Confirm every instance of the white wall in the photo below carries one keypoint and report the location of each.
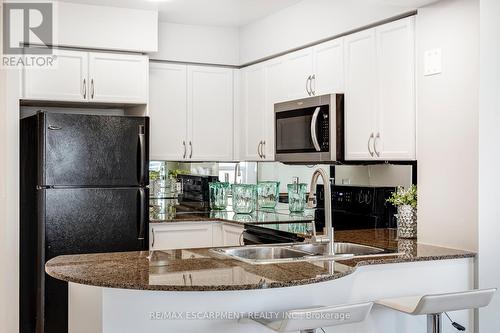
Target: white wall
(447, 133)
(9, 200)
(307, 22)
(489, 160)
(197, 43)
(102, 27)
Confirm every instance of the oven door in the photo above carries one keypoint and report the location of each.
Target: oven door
(303, 135)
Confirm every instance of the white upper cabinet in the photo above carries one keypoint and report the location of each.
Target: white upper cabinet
(396, 127)
(191, 110)
(299, 72)
(210, 113)
(256, 117)
(360, 95)
(66, 82)
(118, 78)
(277, 85)
(90, 77)
(380, 93)
(168, 111)
(328, 67)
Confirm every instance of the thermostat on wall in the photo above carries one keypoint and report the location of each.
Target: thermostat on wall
(432, 62)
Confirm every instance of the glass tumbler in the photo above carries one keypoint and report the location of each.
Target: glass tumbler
(218, 195)
(297, 197)
(268, 194)
(244, 198)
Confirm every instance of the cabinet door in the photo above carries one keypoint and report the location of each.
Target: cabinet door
(232, 235)
(118, 78)
(255, 117)
(167, 109)
(210, 113)
(395, 137)
(328, 59)
(360, 98)
(276, 82)
(299, 67)
(182, 235)
(66, 82)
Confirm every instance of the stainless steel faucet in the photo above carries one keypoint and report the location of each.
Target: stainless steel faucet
(329, 236)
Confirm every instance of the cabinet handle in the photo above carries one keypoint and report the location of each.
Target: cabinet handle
(264, 149)
(307, 85)
(191, 279)
(313, 80)
(153, 236)
(369, 144)
(84, 88)
(377, 137)
(259, 152)
(185, 152)
(184, 278)
(191, 149)
(240, 240)
(92, 89)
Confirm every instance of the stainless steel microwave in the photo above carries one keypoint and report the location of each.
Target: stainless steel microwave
(310, 130)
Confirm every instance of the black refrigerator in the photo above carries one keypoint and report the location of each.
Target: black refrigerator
(83, 190)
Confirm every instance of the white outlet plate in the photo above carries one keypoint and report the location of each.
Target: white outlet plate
(432, 62)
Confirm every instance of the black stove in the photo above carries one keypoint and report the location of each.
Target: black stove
(357, 207)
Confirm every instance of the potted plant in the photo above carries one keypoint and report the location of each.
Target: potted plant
(406, 202)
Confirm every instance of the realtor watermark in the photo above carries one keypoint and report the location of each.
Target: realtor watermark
(229, 315)
(28, 34)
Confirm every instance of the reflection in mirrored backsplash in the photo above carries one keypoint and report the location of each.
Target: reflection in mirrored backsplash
(252, 172)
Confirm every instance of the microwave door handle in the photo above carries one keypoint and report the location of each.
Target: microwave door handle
(314, 136)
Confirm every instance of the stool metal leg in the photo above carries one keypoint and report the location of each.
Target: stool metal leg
(434, 323)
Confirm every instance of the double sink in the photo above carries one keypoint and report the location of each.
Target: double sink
(271, 254)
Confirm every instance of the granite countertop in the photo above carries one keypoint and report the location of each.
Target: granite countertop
(204, 270)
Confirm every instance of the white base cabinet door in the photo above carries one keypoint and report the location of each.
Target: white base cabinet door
(192, 235)
(181, 235)
(68, 81)
(118, 78)
(232, 235)
(167, 109)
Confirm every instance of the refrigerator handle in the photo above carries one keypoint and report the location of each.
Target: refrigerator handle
(142, 154)
(142, 214)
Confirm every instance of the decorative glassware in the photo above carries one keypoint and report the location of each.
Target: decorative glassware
(244, 198)
(297, 197)
(218, 195)
(268, 194)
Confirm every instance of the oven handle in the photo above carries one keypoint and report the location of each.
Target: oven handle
(314, 136)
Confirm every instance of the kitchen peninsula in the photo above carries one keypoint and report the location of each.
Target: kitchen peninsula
(124, 292)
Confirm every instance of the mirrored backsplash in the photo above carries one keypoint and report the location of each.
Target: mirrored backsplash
(252, 172)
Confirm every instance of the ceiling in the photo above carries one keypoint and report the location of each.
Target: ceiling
(229, 13)
(233, 13)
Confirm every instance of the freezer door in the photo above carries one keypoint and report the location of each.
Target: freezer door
(89, 220)
(89, 150)
(93, 220)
